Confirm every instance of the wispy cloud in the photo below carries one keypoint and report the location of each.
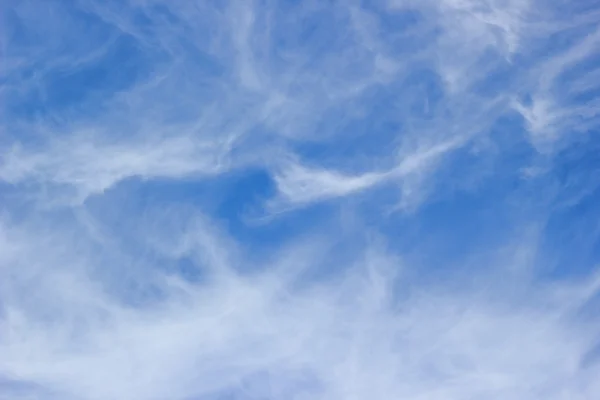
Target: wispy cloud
(137, 136)
(258, 335)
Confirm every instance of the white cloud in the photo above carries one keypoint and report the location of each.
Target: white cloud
(256, 335)
(102, 299)
(554, 114)
(299, 184)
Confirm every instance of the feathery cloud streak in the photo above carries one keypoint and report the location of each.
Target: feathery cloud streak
(280, 199)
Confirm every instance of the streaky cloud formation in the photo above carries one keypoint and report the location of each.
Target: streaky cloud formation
(299, 199)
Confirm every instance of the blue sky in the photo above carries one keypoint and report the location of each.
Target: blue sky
(205, 200)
